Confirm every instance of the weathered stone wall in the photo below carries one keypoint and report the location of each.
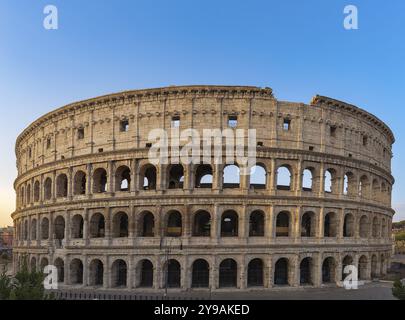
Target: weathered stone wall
(86, 137)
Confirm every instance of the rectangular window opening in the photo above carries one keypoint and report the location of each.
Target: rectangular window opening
(232, 121)
(80, 134)
(287, 124)
(333, 131)
(176, 122)
(365, 141)
(124, 126)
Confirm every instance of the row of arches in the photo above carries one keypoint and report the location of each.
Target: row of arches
(201, 225)
(203, 177)
(283, 272)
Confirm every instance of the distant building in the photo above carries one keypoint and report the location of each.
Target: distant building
(6, 237)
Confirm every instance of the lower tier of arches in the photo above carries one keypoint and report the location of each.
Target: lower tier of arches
(184, 271)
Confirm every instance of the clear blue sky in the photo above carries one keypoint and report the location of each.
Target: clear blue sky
(299, 48)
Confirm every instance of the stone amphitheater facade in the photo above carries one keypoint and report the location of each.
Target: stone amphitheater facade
(90, 202)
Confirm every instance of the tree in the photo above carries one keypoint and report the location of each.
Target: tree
(398, 290)
(26, 285)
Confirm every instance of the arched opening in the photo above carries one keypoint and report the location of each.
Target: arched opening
(61, 186)
(45, 229)
(348, 225)
(256, 224)
(231, 177)
(97, 226)
(202, 224)
(200, 274)
(330, 176)
(96, 273)
(34, 229)
(255, 273)
(33, 266)
(330, 225)
(100, 181)
(173, 274)
(59, 226)
(308, 225)
(60, 266)
(228, 273)
(284, 178)
(79, 187)
(176, 177)
(375, 190)
(374, 272)
(28, 194)
(147, 225)
(123, 179)
(258, 177)
(44, 262)
(48, 189)
(383, 228)
(363, 227)
(148, 177)
(383, 195)
(363, 268)
(22, 196)
(376, 227)
(281, 272)
(307, 179)
(119, 274)
(203, 176)
(120, 225)
(306, 271)
(229, 224)
(349, 184)
(174, 224)
(77, 226)
(36, 191)
(364, 187)
(347, 261)
(76, 271)
(283, 224)
(25, 230)
(328, 270)
(382, 265)
(146, 274)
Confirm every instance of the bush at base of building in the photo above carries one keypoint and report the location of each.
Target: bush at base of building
(26, 285)
(398, 290)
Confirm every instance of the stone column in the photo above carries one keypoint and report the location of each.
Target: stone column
(187, 222)
(86, 227)
(70, 183)
(216, 224)
(157, 274)
(108, 227)
(322, 179)
(67, 227)
(134, 176)
(317, 270)
(242, 283)
(243, 232)
(107, 273)
(273, 177)
(295, 271)
(89, 180)
(131, 270)
(217, 177)
(321, 223)
(85, 270)
(299, 177)
(132, 223)
(269, 225)
(111, 177)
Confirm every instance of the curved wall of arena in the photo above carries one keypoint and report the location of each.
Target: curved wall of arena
(89, 201)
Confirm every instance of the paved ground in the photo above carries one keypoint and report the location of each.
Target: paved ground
(370, 291)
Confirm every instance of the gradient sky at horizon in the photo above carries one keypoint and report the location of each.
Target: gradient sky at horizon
(298, 48)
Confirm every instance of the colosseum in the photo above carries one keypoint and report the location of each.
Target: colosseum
(91, 203)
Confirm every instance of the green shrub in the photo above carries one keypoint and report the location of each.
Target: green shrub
(398, 290)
